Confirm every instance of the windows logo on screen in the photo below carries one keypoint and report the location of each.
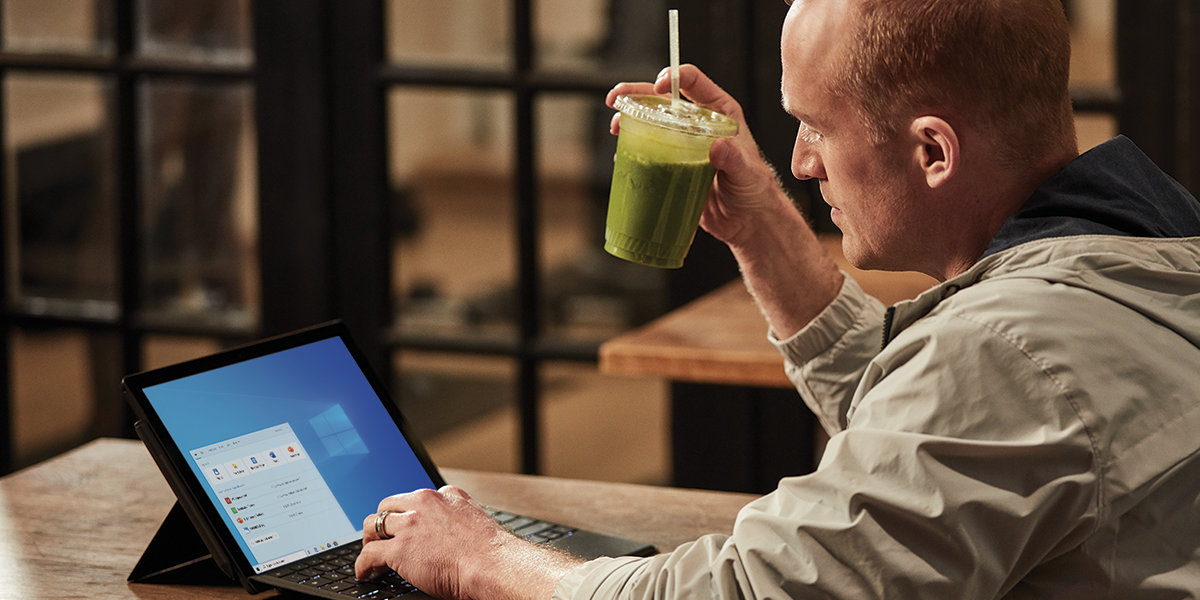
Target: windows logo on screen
(337, 433)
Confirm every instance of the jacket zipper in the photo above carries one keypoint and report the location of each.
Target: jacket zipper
(888, 317)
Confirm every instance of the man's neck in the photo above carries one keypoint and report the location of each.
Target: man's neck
(997, 195)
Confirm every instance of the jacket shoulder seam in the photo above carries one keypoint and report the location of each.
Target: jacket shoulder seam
(1064, 391)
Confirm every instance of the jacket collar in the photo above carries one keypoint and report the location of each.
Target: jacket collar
(1112, 190)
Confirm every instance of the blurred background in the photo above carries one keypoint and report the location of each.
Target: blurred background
(185, 175)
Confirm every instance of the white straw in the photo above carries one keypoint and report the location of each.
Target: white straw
(673, 17)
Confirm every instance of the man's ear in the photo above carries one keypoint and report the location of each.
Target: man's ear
(937, 153)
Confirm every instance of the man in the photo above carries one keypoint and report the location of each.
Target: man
(1029, 427)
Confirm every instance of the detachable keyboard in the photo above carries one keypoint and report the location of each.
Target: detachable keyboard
(332, 572)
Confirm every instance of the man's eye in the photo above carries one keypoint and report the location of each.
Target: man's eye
(808, 134)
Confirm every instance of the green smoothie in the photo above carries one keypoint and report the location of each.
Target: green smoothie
(654, 208)
(661, 179)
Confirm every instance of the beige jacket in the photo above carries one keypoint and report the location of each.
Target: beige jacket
(1030, 431)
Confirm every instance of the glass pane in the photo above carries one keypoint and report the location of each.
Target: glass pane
(58, 26)
(625, 36)
(586, 415)
(1093, 129)
(451, 162)
(1093, 63)
(462, 407)
(463, 33)
(53, 400)
(217, 31)
(588, 294)
(161, 350)
(1093, 47)
(571, 33)
(59, 161)
(199, 203)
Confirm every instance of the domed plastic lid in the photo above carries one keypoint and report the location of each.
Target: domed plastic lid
(685, 116)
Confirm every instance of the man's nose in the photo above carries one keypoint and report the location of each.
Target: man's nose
(806, 161)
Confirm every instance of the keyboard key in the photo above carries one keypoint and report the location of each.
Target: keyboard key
(502, 517)
(532, 529)
(372, 586)
(339, 586)
(394, 579)
(518, 523)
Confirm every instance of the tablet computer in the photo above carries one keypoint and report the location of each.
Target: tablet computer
(279, 449)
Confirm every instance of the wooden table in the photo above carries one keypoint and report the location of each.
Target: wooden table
(74, 526)
(721, 338)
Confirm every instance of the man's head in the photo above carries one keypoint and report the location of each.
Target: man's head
(925, 120)
(1002, 64)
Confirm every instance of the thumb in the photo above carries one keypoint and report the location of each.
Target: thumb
(729, 158)
(722, 153)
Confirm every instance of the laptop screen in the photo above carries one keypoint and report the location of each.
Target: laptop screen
(294, 448)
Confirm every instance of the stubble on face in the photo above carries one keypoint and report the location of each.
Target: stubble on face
(867, 184)
(877, 218)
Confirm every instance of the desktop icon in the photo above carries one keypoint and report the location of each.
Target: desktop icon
(239, 519)
(216, 472)
(228, 501)
(271, 453)
(234, 509)
(253, 460)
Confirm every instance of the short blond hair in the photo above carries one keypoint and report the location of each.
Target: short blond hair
(1003, 65)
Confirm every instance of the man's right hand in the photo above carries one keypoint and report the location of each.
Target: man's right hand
(786, 269)
(446, 545)
(746, 187)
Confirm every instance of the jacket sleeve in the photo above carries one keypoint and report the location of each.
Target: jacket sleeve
(934, 490)
(826, 359)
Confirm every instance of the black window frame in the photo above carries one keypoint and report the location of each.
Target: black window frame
(126, 70)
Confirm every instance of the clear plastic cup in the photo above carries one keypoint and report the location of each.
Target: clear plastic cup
(661, 178)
